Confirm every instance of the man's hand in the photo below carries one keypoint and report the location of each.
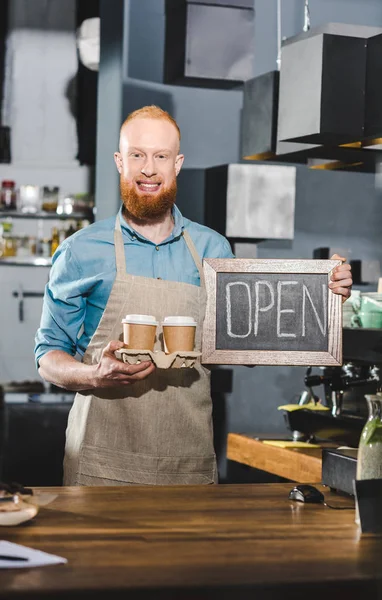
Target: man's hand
(111, 372)
(341, 279)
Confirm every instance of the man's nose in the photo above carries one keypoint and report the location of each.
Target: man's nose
(148, 168)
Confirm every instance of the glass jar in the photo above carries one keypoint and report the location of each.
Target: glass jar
(65, 205)
(9, 245)
(369, 458)
(30, 200)
(23, 246)
(50, 198)
(8, 195)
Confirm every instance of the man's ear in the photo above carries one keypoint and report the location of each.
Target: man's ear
(178, 163)
(118, 161)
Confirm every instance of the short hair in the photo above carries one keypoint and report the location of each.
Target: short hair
(151, 112)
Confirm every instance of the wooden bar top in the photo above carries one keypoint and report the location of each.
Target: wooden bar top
(183, 542)
(298, 464)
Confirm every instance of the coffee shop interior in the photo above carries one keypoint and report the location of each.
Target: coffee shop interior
(279, 103)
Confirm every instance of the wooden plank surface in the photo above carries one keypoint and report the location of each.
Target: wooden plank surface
(183, 542)
(298, 464)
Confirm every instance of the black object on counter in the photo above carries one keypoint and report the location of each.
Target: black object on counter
(369, 496)
(339, 468)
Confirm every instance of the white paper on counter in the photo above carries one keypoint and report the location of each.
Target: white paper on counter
(36, 558)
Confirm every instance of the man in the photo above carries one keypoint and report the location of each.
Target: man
(134, 423)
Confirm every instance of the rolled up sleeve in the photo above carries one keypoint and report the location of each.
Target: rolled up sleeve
(63, 308)
(226, 251)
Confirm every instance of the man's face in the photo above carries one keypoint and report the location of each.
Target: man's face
(148, 163)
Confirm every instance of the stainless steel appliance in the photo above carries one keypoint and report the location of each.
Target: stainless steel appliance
(342, 390)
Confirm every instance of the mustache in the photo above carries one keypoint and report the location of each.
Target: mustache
(144, 180)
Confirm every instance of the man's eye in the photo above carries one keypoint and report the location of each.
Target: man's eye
(162, 156)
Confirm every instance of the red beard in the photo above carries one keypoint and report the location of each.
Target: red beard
(144, 207)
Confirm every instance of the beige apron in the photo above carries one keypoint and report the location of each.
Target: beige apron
(155, 431)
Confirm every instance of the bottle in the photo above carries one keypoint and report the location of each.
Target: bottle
(32, 245)
(62, 234)
(40, 237)
(8, 195)
(71, 229)
(45, 248)
(23, 245)
(369, 457)
(55, 241)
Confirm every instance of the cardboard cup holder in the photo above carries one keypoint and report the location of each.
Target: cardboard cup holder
(176, 360)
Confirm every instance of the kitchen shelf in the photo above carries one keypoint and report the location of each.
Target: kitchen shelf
(21, 261)
(46, 215)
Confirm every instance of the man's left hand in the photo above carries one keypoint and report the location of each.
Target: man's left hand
(341, 279)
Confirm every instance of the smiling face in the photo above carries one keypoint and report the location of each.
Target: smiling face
(148, 162)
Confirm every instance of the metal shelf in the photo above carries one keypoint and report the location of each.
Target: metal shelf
(46, 215)
(21, 261)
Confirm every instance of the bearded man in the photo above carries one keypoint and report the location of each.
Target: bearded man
(134, 424)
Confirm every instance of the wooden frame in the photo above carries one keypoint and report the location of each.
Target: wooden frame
(211, 355)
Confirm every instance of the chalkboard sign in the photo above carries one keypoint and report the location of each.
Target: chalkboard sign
(271, 312)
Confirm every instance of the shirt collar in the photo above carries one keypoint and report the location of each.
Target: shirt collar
(176, 232)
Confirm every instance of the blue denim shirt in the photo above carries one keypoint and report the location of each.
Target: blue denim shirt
(83, 273)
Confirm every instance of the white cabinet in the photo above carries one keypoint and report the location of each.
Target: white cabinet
(17, 336)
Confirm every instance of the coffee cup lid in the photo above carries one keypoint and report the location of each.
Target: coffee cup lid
(140, 319)
(176, 321)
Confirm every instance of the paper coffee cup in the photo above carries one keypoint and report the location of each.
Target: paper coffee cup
(139, 332)
(179, 334)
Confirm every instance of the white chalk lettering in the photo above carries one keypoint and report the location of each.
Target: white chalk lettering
(280, 310)
(262, 308)
(305, 294)
(229, 309)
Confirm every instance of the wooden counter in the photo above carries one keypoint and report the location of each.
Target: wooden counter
(186, 542)
(298, 464)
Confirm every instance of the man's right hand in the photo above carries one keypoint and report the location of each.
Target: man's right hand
(62, 369)
(111, 372)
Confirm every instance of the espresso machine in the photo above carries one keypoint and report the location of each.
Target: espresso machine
(342, 390)
(343, 393)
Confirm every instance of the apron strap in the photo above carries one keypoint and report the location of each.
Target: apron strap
(120, 259)
(194, 253)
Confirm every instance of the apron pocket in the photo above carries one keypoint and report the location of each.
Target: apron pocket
(113, 466)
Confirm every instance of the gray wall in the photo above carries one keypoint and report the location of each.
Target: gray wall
(209, 119)
(332, 209)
